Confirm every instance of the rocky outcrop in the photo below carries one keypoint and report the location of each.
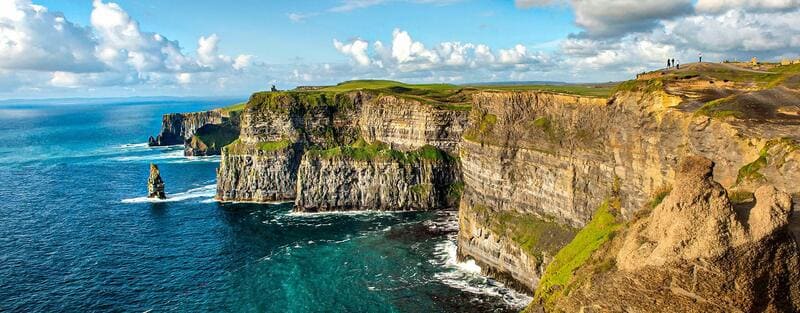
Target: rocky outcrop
(385, 184)
(696, 252)
(155, 185)
(177, 128)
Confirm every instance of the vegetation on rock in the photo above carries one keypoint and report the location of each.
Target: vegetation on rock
(555, 281)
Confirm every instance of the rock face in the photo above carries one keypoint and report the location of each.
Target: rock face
(528, 171)
(210, 139)
(272, 160)
(254, 175)
(343, 184)
(276, 128)
(177, 128)
(409, 125)
(696, 252)
(155, 185)
(558, 157)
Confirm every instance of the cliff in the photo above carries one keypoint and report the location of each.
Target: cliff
(556, 158)
(381, 179)
(546, 180)
(276, 130)
(177, 128)
(343, 150)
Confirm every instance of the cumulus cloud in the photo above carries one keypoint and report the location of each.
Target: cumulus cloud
(113, 50)
(33, 38)
(357, 50)
(718, 6)
(406, 57)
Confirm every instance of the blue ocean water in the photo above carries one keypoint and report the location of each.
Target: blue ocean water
(76, 235)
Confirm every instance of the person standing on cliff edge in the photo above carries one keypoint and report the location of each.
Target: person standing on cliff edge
(700, 56)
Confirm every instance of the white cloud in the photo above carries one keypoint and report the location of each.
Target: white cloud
(357, 50)
(445, 61)
(719, 6)
(44, 49)
(33, 38)
(350, 5)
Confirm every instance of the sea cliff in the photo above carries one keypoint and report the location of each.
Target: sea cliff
(544, 179)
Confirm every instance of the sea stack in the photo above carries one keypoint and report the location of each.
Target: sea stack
(155, 186)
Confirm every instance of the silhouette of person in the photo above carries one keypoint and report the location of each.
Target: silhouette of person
(700, 55)
(668, 63)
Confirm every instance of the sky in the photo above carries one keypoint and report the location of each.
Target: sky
(119, 48)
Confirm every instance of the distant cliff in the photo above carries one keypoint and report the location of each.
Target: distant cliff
(202, 133)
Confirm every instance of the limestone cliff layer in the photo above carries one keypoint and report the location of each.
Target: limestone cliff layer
(344, 183)
(314, 124)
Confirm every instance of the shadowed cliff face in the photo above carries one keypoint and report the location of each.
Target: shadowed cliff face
(695, 253)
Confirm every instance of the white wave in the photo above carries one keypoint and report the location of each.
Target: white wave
(130, 146)
(177, 154)
(343, 213)
(213, 159)
(467, 275)
(208, 191)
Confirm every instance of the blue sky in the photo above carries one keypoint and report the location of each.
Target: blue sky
(202, 48)
(263, 28)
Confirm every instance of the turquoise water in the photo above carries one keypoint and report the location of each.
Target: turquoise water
(77, 236)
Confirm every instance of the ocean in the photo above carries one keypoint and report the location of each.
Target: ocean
(77, 234)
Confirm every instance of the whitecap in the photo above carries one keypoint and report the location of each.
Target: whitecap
(466, 275)
(208, 191)
(177, 154)
(343, 213)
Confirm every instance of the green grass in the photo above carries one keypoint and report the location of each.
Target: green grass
(559, 272)
(751, 171)
(269, 146)
(595, 91)
(361, 150)
(384, 84)
(234, 107)
(720, 108)
(646, 86)
(483, 126)
(455, 190)
(239, 148)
